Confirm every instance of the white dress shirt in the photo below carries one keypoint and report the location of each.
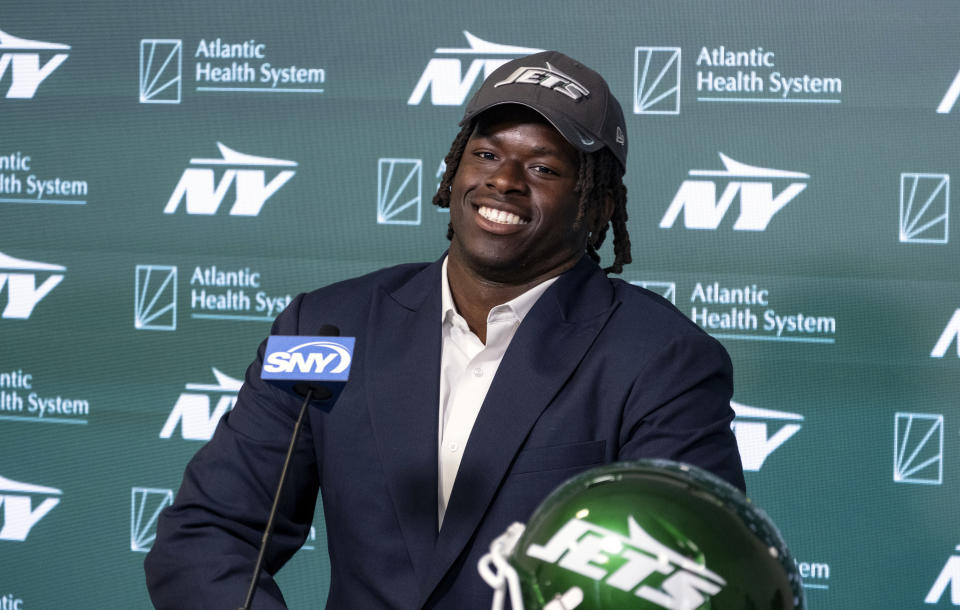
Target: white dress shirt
(467, 368)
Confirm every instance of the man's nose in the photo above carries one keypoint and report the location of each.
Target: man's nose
(507, 177)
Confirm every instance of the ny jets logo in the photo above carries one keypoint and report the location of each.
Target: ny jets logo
(753, 186)
(589, 550)
(22, 59)
(549, 78)
(203, 194)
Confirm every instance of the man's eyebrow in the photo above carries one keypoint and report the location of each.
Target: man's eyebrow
(537, 149)
(547, 150)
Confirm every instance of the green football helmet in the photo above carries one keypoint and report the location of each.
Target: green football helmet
(648, 534)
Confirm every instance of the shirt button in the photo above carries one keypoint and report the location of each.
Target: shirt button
(478, 372)
(453, 447)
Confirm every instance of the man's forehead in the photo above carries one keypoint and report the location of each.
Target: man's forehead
(502, 113)
(491, 122)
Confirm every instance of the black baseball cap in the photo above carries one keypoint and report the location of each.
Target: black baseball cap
(572, 97)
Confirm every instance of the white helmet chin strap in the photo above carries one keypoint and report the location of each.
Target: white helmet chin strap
(497, 572)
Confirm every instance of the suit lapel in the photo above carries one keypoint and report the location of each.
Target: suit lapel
(403, 361)
(547, 347)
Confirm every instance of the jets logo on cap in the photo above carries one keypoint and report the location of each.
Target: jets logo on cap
(548, 77)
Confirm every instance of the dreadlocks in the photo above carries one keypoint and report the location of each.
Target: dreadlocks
(600, 176)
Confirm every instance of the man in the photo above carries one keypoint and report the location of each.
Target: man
(479, 383)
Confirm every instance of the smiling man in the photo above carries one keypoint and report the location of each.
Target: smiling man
(480, 382)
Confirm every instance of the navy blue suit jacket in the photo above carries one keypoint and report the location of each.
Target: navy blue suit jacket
(598, 371)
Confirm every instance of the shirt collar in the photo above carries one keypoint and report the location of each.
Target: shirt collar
(518, 307)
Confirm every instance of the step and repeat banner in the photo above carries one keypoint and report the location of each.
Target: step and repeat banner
(173, 173)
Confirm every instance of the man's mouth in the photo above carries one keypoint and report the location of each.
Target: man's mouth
(501, 217)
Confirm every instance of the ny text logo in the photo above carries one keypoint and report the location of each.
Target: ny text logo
(697, 198)
(19, 512)
(204, 194)
(751, 429)
(192, 411)
(21, 57)
(950, 335)
(19, 278)
(444, 76)
(950, 97)
(949, 577)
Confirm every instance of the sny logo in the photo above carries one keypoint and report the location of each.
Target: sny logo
(701, 209)
(204, 196)
(19, 515)
(193, 412)
(581, 547)
(310, 357)
(752, 439)
(19, 278)
(949, 577)
(950, 334)
(23, 57)
(444, 76)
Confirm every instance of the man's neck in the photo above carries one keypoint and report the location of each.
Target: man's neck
(474, 295)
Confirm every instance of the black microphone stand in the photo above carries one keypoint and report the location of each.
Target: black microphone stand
(276, 501)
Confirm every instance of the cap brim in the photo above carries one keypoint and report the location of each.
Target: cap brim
(579, 138)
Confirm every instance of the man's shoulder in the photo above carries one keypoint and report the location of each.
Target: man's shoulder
(645, 313)
(387, 279)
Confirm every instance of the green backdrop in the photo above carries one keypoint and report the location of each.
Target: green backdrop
(172, 172)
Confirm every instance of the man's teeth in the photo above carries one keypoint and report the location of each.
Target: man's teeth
(501, 217)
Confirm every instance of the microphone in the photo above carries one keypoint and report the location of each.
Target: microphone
(317, 369)
(298, 363)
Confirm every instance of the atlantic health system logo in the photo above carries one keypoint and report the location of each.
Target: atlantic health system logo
(19, 277)
(399, 191)
(146, 503)
(918, 448)
(18, 183)
(215, 293)
(444, 75)
(21, 58)
(924, 208)
(656, 80)
(221, 65)
(20, 514)
(161, 71)
(155, 297)
(203, 194)
(697, 196)
(747, 75)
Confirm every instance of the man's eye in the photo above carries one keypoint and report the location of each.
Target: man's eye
(483, 154)
(543, 170)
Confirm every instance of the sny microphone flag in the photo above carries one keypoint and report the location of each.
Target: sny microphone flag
(298, 362)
